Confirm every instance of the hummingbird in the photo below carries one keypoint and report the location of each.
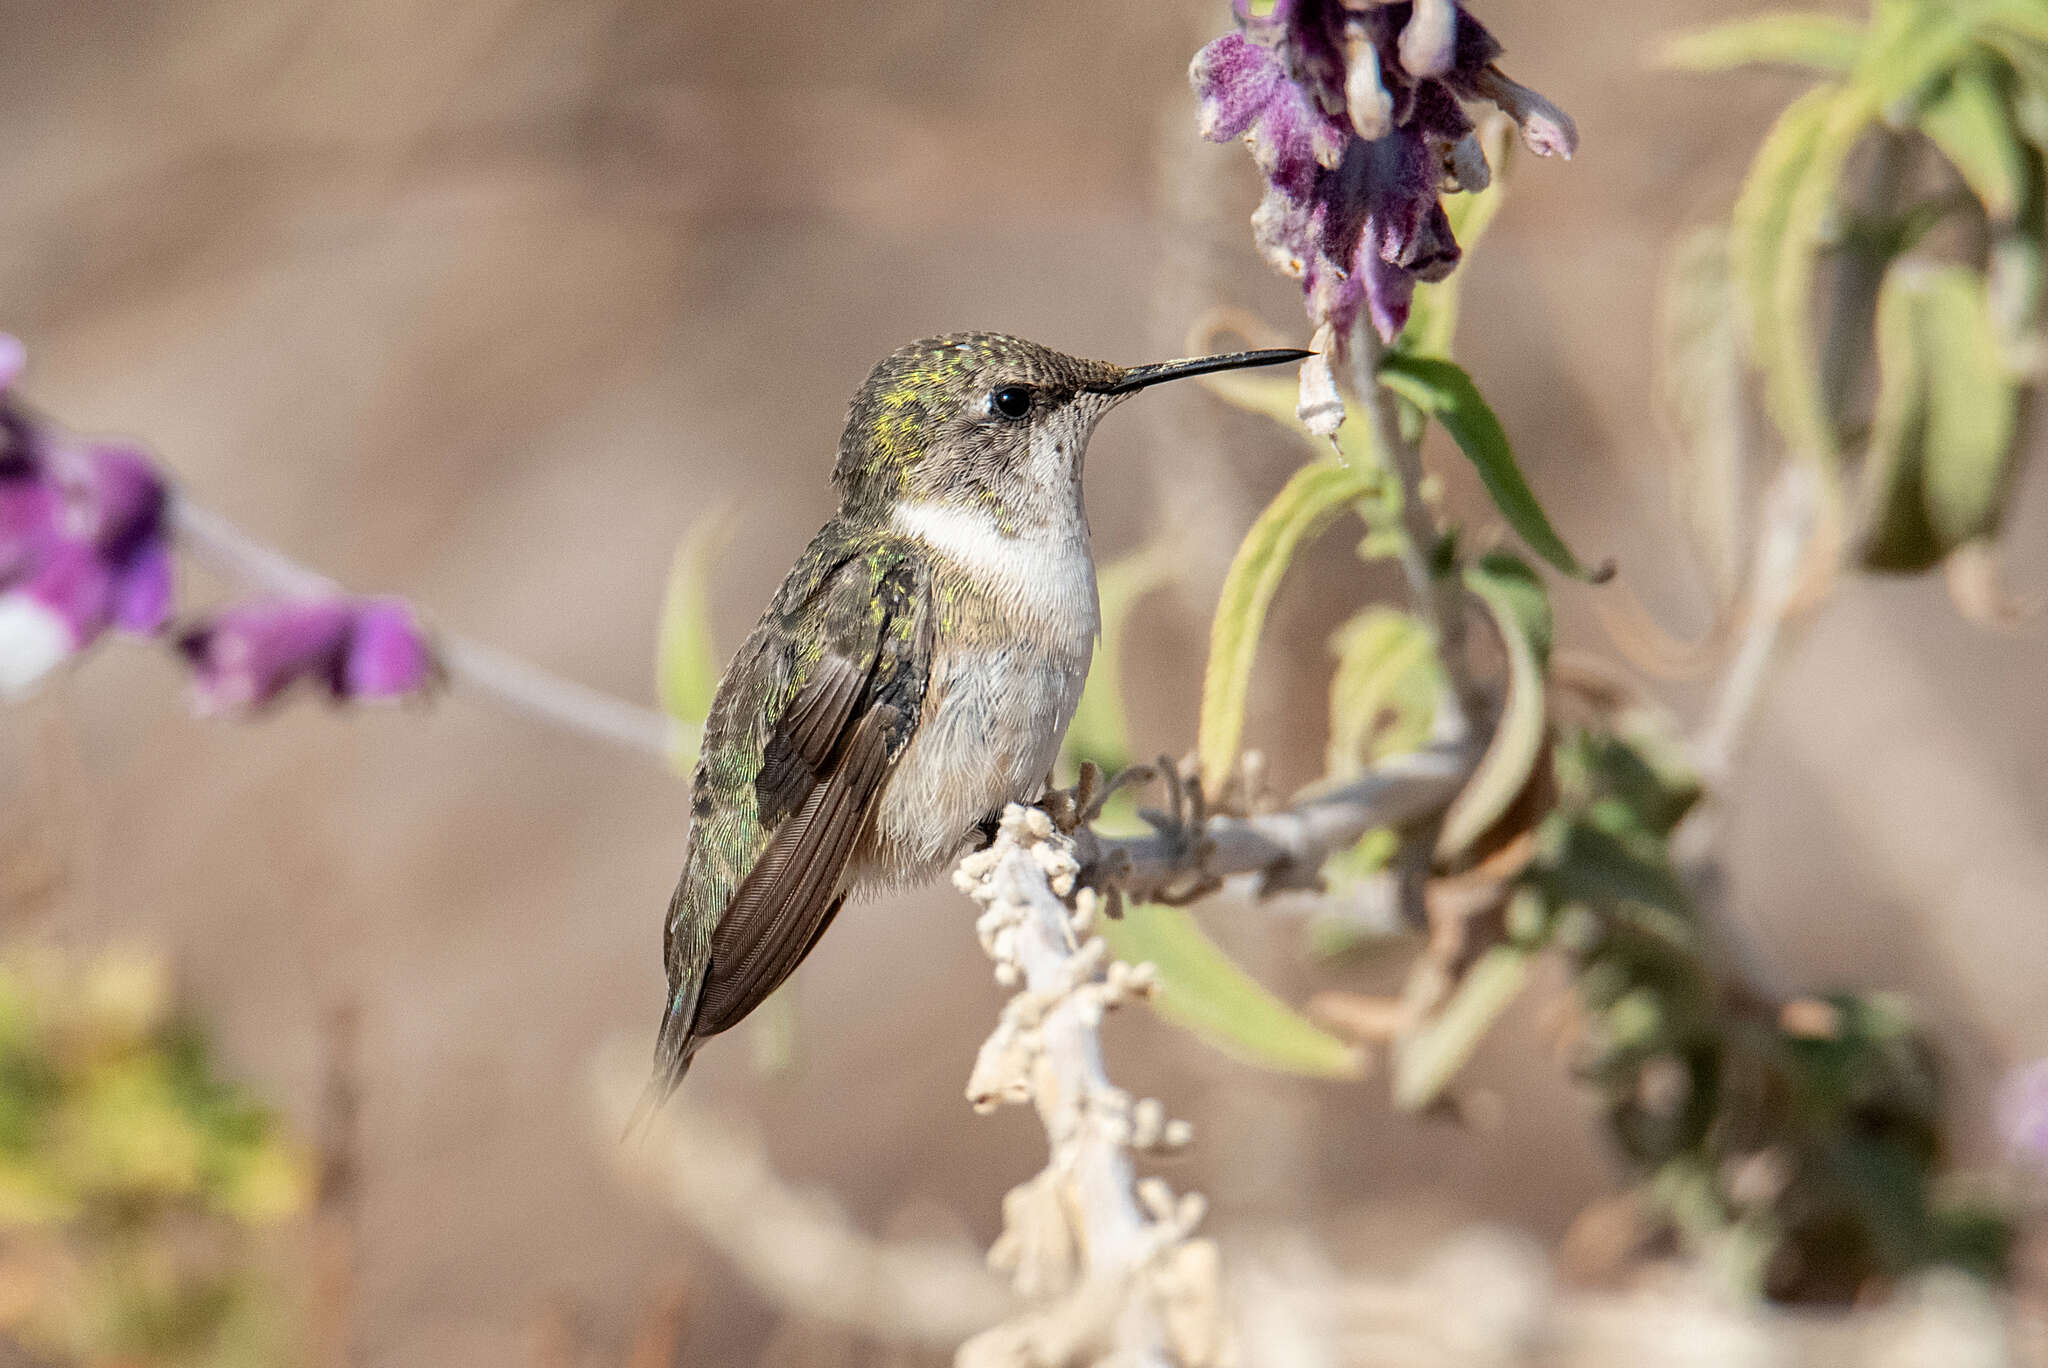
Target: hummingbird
(915, 673)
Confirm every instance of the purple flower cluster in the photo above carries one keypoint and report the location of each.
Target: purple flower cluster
(83, 543)
(247, 655)
(1353, 111)
(85, 548)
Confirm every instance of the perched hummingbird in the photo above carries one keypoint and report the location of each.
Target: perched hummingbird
(916, 671)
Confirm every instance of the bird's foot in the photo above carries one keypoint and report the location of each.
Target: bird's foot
(1183, 824)
(1074, 808)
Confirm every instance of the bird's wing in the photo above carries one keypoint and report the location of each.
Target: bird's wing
(852, 708)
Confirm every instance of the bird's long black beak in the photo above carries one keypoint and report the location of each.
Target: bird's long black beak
(1139, 377)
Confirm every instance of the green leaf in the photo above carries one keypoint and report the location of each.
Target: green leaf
(2025, 18)
(1100, 730)
(686, 661)
(1446, 393)
(1762, 209)
(1968, 121)
(1514, 596)
(1912, 46)
(1972, 408)
(1701, 379)
(1316, 494)
(1203, 991)
(1383, 695)
(1429, 1057)
(1818, 42)
(1943, 443)
(1433, 314)
(1792, 382)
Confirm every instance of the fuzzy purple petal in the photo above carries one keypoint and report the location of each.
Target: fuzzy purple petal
(142, 587)
(1389, 292)
(388, 653)
(28, 523)
(1234, 80)
(242, 659)
(13, 361)
(76, 584)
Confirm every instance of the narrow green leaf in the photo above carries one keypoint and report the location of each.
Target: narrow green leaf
(1701, 380)
(1446, 393)
(2026, 18)
(686, 660)
(1943, 443)
(1316, 494)
(1202, 990)
(1792, 381)
(1894, 533)
(1101, 730)
(1911, 47)
(1968, 121)
(1762, 209)
(1972, 408)
(1514, 596)
(1429, 1057)
(1383, 694)
(1818, 42)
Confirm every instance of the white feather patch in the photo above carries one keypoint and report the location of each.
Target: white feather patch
(1047, 573)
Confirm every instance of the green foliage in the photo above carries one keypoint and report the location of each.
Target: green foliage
(1819, 42)
(1383, 694)
(686, 660)
(1316, 494)
(1446, 393)
(1971, 122)
(1798, 1145)
(1203, 991)
(130, 1173)
(1970, 82)
(1520, 611)
(1428, 1058)
(1948, 410)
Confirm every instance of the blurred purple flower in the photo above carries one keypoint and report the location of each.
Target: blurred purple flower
(1352, 110)
(245, 657)
(2021, 1113)
(83, 542)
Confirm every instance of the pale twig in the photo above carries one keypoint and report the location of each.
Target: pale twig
(1790, 508)
(1111, 1261)
(795, 1246)
(525, 687)
(1285, 849)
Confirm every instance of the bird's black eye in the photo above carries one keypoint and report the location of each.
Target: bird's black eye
(1011, 401)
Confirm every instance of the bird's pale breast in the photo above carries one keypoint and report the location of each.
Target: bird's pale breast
(1017, 631)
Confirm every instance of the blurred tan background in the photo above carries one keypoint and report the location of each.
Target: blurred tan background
(484, 302)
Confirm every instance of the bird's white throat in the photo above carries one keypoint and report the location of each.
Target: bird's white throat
(1045, 571)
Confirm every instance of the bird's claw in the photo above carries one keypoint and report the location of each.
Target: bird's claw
(1184, 822)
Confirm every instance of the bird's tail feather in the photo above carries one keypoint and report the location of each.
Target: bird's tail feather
(673, 1051)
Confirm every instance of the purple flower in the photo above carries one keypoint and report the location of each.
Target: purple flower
(83, 543)
(1352, 110)
(247, 656)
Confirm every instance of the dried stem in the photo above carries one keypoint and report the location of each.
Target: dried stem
(524, 687)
